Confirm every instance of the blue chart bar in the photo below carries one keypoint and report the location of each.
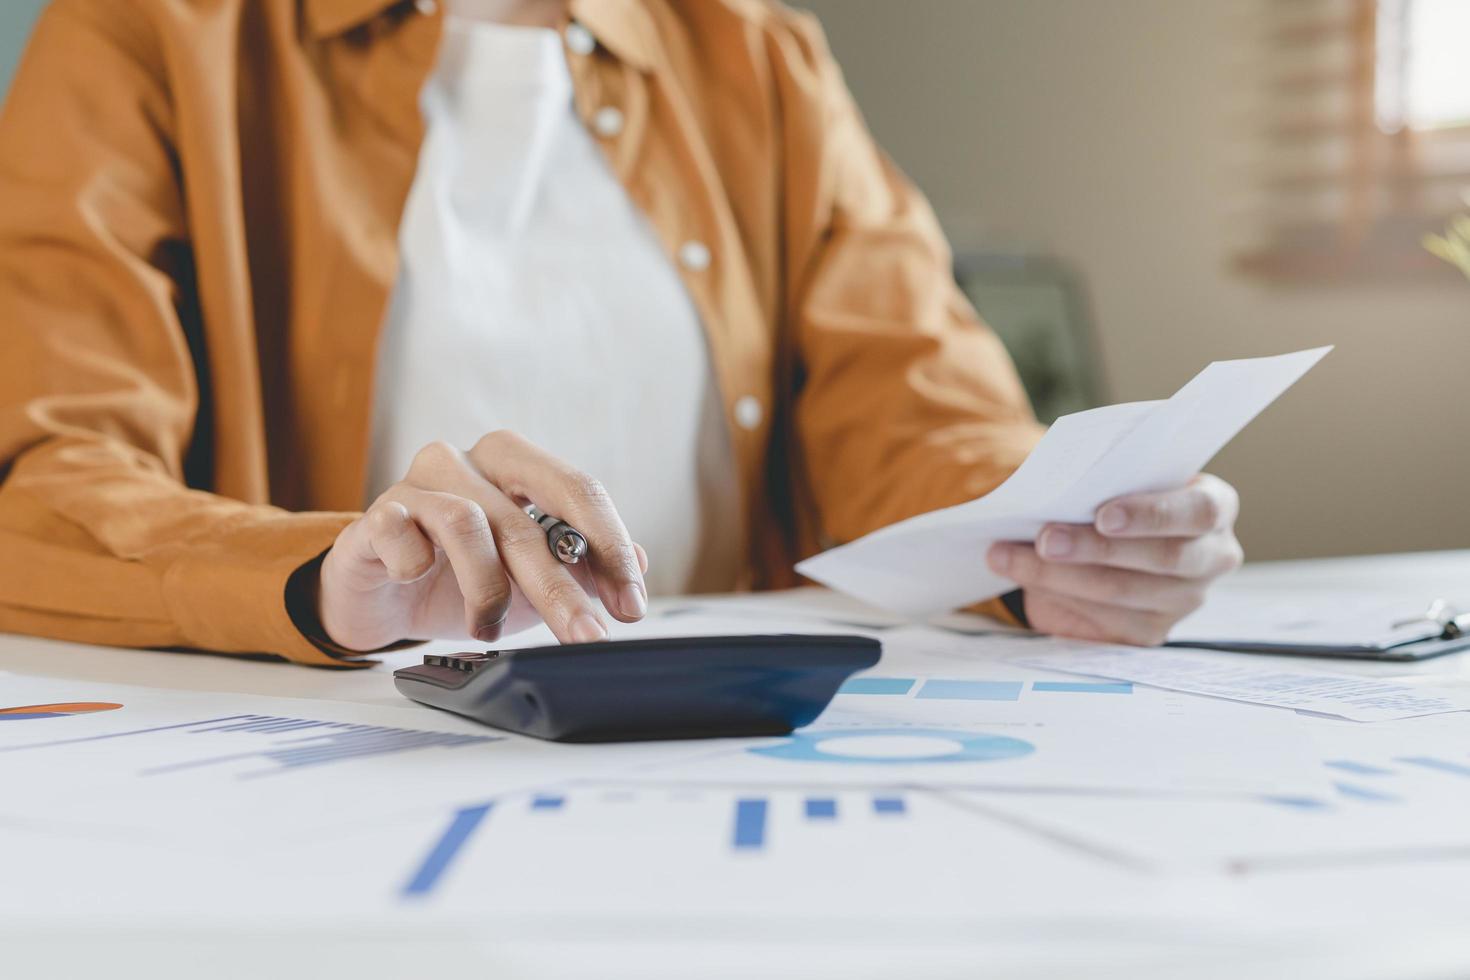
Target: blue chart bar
(548, 802)
(328, 742)
(876, 685)
(821, 809)
(944, 690)
(135, 731)
(1438, 765)
(750, 825)
(337, 742)
(1358, 768)
(889, 805)
(445, 850)
(1297, 802)
(1084, 687)
(1355, 792)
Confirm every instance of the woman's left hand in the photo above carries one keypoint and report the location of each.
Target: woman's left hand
(1140, 567)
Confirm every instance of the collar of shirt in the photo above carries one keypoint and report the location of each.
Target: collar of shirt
(622, 26)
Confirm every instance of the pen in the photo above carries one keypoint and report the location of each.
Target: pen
(565, 541)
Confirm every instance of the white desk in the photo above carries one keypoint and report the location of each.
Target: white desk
(1390, 921)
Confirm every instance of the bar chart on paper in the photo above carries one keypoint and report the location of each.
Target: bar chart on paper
(961, 689)
(65, 709)
(253, 746)
(1399, 780)
(1393, 791)
(650, 831)
(174, 766)
(987, 724)
(794, 853)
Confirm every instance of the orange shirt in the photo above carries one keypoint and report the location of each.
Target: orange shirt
(198, 227)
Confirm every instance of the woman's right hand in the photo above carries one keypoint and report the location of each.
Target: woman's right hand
(450, 552)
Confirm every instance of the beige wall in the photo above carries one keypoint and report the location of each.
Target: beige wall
(1099, 130)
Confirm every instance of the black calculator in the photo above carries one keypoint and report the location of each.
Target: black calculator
(635, 690)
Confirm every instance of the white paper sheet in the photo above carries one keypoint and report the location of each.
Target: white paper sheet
(1400, 792)
(616, 855)
(942, 709)
(1246, 678)
(179, 766)
(936, 562)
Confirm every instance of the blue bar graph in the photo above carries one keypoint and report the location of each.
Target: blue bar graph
(821, 809)
(877, 685)
(748, 832)
(750, 825)
(1355, 792)
(1358, 768)
(134, 731)
(1084, 687)
(1438, 765)
(445, 850)
(953, 690)
(893, 805)
(1298, 802)
(328, 742)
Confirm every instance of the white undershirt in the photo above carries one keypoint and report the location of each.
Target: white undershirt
(533, 296)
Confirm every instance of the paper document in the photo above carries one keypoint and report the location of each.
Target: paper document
(1001, 728)
(184, 766)
(936, 562)
(1237, 678)
(1399, 792)
(945, 709)
(1332, 619)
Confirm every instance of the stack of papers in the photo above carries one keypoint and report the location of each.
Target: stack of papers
(366, 808)
(966, 783)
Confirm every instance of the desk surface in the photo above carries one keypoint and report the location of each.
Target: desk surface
(1390, 933)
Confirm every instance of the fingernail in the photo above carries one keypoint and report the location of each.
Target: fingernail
(586, 629)
(1000, 558)
(1056, 542)
(1111, 520)
(631, 601)
(490, 632)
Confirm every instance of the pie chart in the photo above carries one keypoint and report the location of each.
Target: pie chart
(886, 746)
(30, 712)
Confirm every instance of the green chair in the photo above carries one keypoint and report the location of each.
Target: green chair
(16, 18)
(1038, 308)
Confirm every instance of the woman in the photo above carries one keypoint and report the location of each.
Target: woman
(262, 260)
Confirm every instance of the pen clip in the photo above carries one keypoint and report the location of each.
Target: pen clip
(1450, 620)
(565, 541)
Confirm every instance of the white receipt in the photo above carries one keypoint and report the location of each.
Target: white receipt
(936, 562)
(1241, 678)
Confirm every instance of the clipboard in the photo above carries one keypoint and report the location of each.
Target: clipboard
(1441, 629)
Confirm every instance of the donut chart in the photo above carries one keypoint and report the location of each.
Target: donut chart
(909, 745)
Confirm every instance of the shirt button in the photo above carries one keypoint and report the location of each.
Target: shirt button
(426, 7)
(608, 121)
(748, 412)
(579, 39)
(695, 257)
